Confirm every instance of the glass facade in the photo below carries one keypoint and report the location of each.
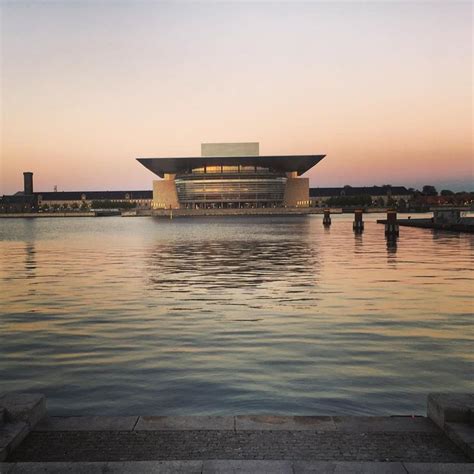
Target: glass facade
(226, 169)
(230, 187)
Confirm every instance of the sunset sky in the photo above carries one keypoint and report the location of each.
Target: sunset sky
(383, 88)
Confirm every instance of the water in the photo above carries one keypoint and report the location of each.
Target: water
(233, 315)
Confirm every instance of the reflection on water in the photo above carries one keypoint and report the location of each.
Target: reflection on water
(239, 315)
(391, 248)
(230, 271)
(30, 260)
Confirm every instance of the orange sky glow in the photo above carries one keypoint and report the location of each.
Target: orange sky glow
(384, 89)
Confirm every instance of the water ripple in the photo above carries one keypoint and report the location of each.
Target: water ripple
(228, 316)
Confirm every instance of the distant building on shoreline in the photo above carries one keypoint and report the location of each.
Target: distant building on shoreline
(380, 196)
(30, 201)
(231, 176)
(119, 199)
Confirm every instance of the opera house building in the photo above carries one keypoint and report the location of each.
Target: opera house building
(231, 175)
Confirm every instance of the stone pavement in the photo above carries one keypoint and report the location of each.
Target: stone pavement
(76, 446)
(244, 438)
(234, 467)
(441, 443)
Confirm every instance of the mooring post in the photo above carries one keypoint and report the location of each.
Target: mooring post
(327, 217)
(358, 224)
(391, 226)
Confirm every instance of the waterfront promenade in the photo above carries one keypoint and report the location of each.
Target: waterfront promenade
(208, 444)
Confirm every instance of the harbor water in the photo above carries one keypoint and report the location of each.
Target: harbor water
(236, 315)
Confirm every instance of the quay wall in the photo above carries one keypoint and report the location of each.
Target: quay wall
(232, 212)
(30, 435)
(11, 215)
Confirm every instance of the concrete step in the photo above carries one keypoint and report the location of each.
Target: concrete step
(356, 424)
(11, 435)
(27, 407)
(454, 414)
(19, 413)
(462, 435)
(233, 467)
(450, 407)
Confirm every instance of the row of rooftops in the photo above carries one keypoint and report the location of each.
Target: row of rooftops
(20, 197)
(95, 195)
(148, 194)
(360, 191)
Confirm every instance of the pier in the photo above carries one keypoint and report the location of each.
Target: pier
(449, 219)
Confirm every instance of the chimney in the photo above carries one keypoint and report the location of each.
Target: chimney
(28, 182)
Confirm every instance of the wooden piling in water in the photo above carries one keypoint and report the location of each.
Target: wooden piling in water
(391, 226)
(358, 224)
(327, 217)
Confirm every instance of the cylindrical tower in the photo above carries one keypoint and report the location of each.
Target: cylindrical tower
(28, 182)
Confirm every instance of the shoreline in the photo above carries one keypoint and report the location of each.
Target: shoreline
(444, 437)
(165, 213)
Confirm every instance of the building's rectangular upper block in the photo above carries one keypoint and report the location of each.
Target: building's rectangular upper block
(230, 149)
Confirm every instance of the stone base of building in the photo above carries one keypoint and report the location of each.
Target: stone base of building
(276, 211)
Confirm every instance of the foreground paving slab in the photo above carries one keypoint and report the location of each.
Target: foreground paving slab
(149, 467)
(59, 468)
(440, 468)
(305, 467)
(247, 467)
(167, 445)
(87, 423)
(233, 466)
(6, 468)
(140, 467)
(242, 422)
(179, 423)
(385, 424)
(288, 423)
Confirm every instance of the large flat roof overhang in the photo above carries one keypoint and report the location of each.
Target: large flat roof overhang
(284, 163)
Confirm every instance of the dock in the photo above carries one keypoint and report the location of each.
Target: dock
(467, 225)
(451, 219)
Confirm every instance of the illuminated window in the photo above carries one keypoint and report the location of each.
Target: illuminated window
(213, 169)
(230, 169)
